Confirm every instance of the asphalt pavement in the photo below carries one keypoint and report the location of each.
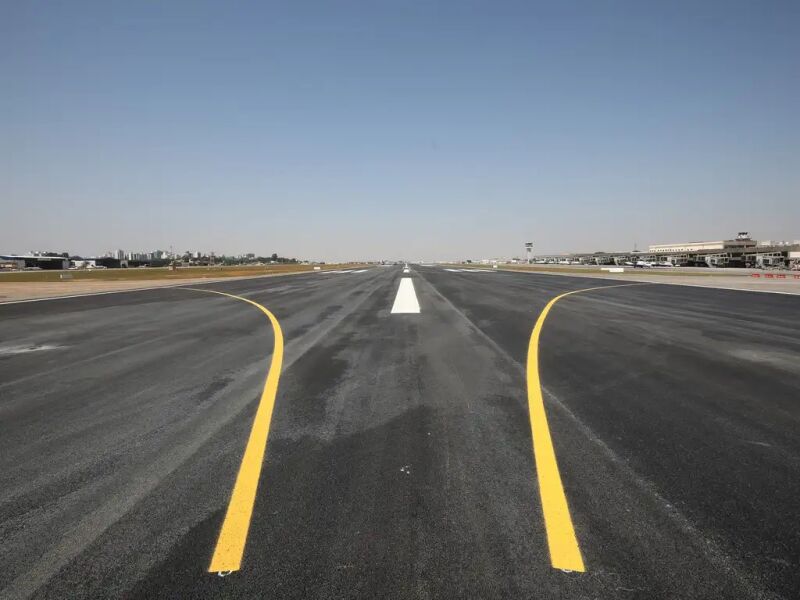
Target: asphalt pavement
(399, 461)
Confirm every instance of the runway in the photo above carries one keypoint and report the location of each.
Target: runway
(403, 456)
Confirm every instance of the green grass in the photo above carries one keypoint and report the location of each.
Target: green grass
(165, 273)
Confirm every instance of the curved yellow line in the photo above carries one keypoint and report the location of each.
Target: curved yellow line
(229, 550)
(563, 544)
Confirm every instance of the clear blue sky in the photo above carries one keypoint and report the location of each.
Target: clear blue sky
(341, 130)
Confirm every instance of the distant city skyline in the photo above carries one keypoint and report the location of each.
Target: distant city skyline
(139, 254)
(160, 253)
(397, 130)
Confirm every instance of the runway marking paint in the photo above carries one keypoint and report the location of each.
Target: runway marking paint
(230, 546)
(406, 300)
(565, 552)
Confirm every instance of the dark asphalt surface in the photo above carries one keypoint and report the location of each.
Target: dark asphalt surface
(399, 461)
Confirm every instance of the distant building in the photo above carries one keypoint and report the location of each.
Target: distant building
(741, 242)
(36, 261)
(84, 263)
(11, 263)
(139, 256)
(740, 252)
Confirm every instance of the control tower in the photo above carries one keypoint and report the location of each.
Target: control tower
(529, 251)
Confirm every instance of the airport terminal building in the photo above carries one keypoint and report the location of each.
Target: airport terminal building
(742, 251)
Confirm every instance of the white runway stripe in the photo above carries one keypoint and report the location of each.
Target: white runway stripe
(406, 300)
(471, 270)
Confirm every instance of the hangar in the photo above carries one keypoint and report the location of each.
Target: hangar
(53, 263)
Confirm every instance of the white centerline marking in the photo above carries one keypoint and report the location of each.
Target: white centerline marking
(406, 300)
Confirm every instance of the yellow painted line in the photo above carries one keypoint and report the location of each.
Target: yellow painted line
(563, 544)
(233, 535)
